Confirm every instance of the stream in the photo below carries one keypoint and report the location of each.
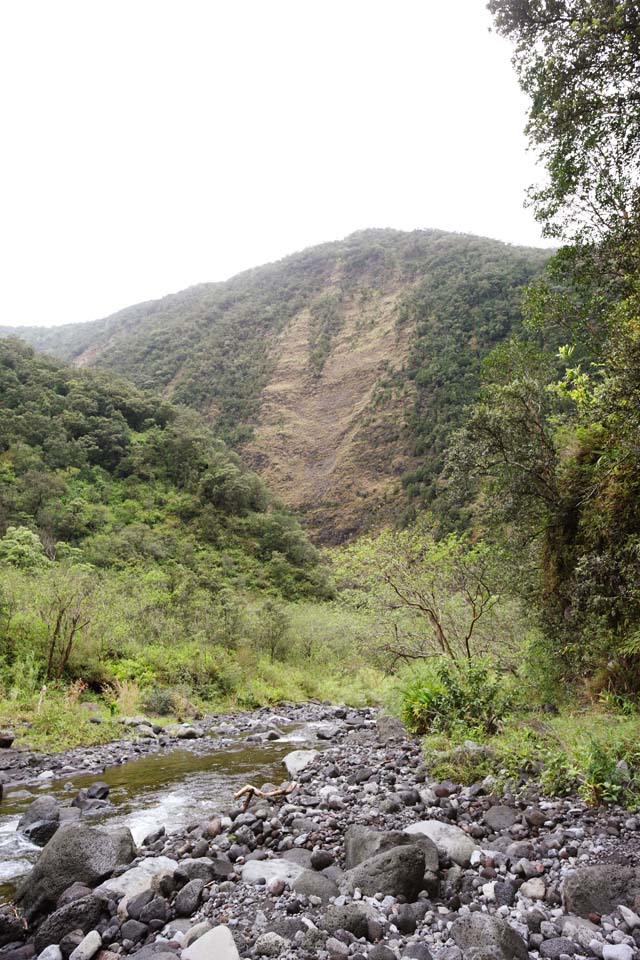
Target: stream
(161, 789)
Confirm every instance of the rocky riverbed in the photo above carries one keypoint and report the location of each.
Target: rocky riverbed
(365, 859)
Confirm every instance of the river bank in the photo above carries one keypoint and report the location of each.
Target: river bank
(368, 858)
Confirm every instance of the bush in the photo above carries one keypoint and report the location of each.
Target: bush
(445, 695)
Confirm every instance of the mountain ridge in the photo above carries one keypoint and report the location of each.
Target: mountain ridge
(338, 372)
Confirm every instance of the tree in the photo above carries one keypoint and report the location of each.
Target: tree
(22, 547)
(442, 589)
(579, 62)
(67, 613)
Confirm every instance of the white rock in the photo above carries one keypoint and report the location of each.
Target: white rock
(631, 919)
(195, 932)
(617, 951)
(136, 880)
(451, 841)
(217, 944)
(88, 947)
(52, 952)
(299, 760)
(534, 889)
(285, 870)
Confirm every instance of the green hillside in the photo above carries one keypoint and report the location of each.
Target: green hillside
(217, 347)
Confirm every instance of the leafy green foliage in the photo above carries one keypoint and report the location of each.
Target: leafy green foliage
(100, 472)
(432, 597)
(214, 347)
(580, 65)
(442, 697)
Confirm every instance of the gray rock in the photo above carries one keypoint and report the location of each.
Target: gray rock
(487, 936)
(74, 853)
(52, 952)
(194, 932)
(134, 930)
(98, 790)
(44, 808)
(271, 945)
(398, 872)
(198, 868)
(84, 915)
(217, 944)
(417, 951)
(6, 738)
(556, 947)
(579, 930)
(312, 884)
(268, 869)
(390, 728)
(600, 888)
(617, 951)
(336, 948)
(11, 928)
(187, 900)
(88, 947)
(299, 760)
(137, 879)
(362, 843)
(500, 818)
(353, 917)
(451, 841)
(381, 952)
(40, 832)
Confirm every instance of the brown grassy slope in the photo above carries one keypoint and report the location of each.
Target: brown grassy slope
(322, 442)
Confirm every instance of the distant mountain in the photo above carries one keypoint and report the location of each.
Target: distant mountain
(338, 372)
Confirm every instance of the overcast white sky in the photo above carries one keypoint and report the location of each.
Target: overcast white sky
(151, 144)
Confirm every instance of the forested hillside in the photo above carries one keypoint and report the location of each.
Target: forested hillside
(134, 546)
(339, 372)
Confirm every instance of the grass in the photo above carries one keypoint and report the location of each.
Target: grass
(59, 721)
(593, 752)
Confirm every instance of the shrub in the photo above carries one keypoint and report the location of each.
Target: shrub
(444, 695)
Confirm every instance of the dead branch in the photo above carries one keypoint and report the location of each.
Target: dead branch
(250, 792)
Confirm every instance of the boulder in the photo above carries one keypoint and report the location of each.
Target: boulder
(136, 880)
(40, 832)
(600, 888)
(11, 928)
(362, 843)
(452, 842)
(398, 872)
(267, 870)
(313, 884)
(299, 760)
(390, 728)
(6, 738)
(84, 914)
(353, 917)
(217, 943)
(74, 854)
(187, 899)
(500, 817)
(483, 936)
(43, 809)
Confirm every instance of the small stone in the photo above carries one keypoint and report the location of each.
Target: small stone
(552, 949)
(88, 947)
(270, 945)
(617, 951)
(534, 889)
(336, 948)
(218, 943)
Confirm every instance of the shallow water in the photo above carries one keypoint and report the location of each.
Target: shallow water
(171, 790)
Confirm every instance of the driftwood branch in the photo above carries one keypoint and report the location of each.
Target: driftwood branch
(250, 792)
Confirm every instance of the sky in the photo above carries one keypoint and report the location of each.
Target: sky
(147, 145)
